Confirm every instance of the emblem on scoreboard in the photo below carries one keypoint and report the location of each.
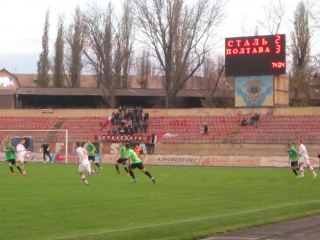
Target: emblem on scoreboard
(254, 89)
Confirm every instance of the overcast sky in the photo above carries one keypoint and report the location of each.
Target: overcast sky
(22, 21)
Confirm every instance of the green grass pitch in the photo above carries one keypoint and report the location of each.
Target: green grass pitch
(185, 203)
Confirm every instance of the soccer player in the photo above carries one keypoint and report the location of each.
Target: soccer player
(11, 158)
(21, 152)
(136, 163)
(45, 149)
(304, 159)
(92, 155)
(293, 158)
(122, 159)
(84, 164)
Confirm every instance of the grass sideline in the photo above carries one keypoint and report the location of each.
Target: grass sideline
(185, 203)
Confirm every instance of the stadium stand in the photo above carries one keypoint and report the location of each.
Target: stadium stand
(184, 129)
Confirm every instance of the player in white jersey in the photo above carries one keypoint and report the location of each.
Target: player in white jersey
(304, 159)
(84, 164)
(21, 152)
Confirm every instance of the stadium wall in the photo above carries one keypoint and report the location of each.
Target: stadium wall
(244, 155)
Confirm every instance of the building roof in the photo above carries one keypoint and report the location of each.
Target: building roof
(118, 92)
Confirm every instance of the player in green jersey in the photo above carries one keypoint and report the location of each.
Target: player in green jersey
(91, 149)
(293, 158)
(122, 159)
(136, 163)
(11, 158)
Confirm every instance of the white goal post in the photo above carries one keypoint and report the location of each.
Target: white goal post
(26, 133)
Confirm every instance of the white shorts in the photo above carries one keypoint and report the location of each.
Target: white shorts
(85, 166)
(304, 160)
(20, 159)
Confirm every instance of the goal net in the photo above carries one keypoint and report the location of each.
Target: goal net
(57, 140)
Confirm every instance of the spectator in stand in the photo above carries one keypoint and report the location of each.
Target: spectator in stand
(146, 116)
(129, 121)
(113, 120)
(243, 122)
(254, 120)
(145, 126)
(205, 129)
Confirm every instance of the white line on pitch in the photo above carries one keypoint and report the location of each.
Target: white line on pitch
(190, 220)
(232, 238)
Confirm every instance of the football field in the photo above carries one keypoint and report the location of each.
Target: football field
(185, 203)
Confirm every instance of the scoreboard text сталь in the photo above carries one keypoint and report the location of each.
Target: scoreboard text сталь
(255, 55)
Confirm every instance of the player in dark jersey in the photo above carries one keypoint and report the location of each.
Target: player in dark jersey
(45, 149)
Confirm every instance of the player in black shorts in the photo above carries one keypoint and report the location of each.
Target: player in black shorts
(45, 149)
(11, 158)
(122, 159)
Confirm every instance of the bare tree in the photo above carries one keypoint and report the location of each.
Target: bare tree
(178, 34)
(143, 68)
(98, 48)
(274, 16)
(58, 68)
(43, 64)
(75, 38)
(213, 73)
(300, 50)
(123, 51)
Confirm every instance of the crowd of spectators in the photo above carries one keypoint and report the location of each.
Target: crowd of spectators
(253, 121)
(129, 120)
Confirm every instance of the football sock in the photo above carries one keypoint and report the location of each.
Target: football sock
(22, 169)
(97, 164)
(148, 174)
(19, 169)
(132, 174)
(11, 169)
(295, 172)
(117, 168)
(126, 169)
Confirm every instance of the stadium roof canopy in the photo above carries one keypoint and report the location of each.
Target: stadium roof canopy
(118, 92)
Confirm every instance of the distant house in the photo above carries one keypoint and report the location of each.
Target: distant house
(8, 86)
